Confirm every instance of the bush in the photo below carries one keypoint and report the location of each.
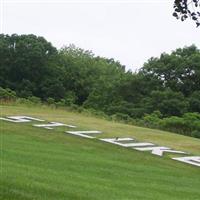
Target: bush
(74, 107)
(50, 101)
(35, 100)
(152, 120)
(70, 98)
(195, 134)
(23, 101)
(121, 117)
(189, 124)
(60, 103)
(7, 94)
(175, 124)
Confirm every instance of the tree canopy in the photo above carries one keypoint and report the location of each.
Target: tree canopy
(184, 9)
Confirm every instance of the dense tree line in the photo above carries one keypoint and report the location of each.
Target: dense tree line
(169, 85)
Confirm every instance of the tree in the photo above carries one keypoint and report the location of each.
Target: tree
(185, 8)
(194, 101)
(169, 103)
(87, 75)
(178, 71)
(26, 62)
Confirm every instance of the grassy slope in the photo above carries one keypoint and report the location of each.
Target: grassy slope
(43, 164)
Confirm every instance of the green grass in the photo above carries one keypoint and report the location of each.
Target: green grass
(44, 164)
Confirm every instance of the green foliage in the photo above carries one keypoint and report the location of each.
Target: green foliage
(73, 77)
(175, 124)
(189, 124)
(121, 117)
(7, 94)
(152, 120)
(50, 101)
(194, 102)
(169, 103)
(70, 98)
(35, 100)
(196, 134)
(26, 61)
(184, 9)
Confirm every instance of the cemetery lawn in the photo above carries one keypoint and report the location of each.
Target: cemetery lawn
(40, 164)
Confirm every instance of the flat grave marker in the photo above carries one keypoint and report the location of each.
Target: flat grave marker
(118, 141)
(20, 119)
(193, 160)
(159, 151)
(51, 125)
(84, 133)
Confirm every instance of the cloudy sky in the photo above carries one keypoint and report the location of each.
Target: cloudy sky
(130, 31)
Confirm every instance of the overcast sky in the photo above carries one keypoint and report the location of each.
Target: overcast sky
(130, 31)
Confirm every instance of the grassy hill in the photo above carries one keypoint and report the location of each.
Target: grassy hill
(49, 164)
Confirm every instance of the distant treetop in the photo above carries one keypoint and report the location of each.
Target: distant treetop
(184, 9)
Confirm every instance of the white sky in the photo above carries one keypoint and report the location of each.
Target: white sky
(130, 31)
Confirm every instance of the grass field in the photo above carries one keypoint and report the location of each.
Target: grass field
(44, 164)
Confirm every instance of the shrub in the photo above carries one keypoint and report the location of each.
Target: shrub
(70, 98)
(35, 100)
(189, 124)
(60, 103)
(196, 134)
(152, 120)
(175, 124)
(7, 94)
(50, 101)
(121, 117)
(23, 101)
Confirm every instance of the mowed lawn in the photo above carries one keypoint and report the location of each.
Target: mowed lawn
(44, 164)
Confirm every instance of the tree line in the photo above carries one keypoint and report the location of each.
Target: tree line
(164, 93)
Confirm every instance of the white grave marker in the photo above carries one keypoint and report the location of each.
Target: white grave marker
(20, 119)
(193, 160)
(51, 125)
(159, 150)
(83, 133)
(118, 141)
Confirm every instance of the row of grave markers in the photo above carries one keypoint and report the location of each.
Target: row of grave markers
(124, 142)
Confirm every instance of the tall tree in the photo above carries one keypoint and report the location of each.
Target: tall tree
(26, 61)
(179, 70)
